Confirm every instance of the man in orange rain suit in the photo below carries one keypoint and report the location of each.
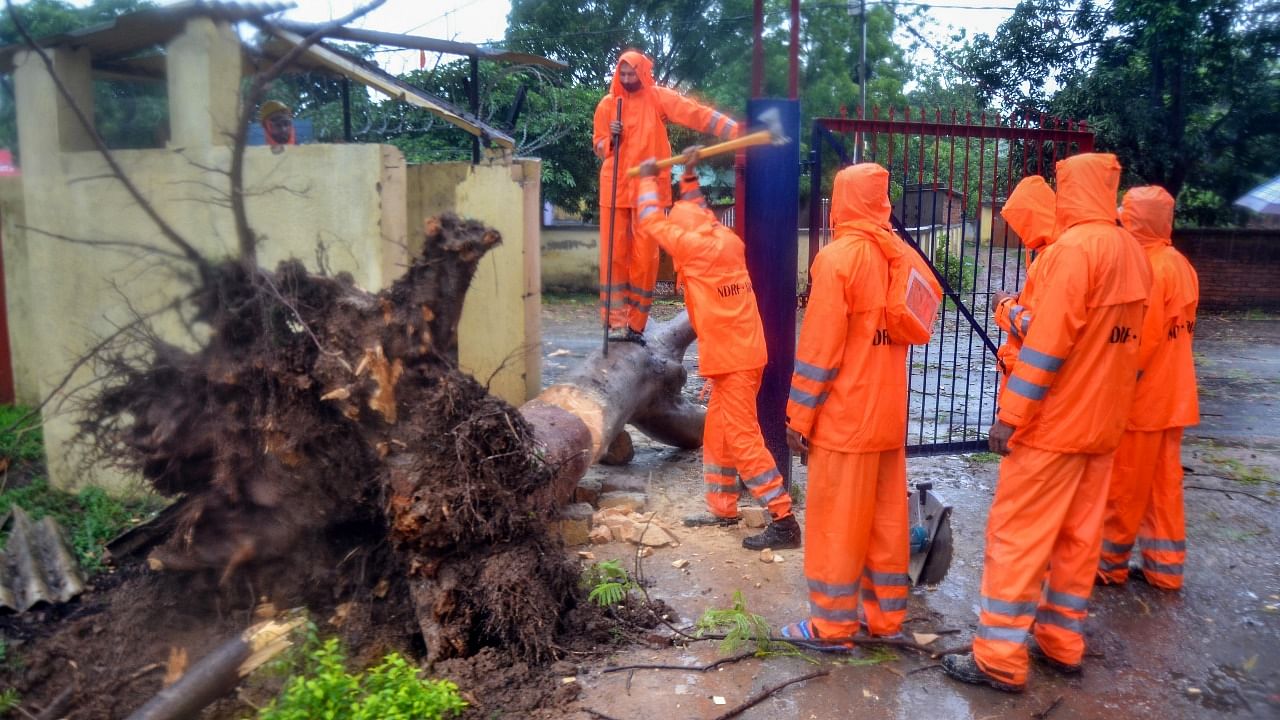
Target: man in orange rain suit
(646, 108)
(1145, 500)
(1029, 213)
(1060, 419)
(711, 262)
(848, 410)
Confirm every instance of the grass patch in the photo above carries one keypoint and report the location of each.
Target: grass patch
(872, 656)
(985, 457)
(568, 298)
(1239, 472)
(91, 517)
(20, 441)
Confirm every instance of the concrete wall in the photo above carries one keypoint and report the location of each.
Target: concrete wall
(91, 260)
(17, 290)
(64, 295)
(1238, 269)
(501, 327)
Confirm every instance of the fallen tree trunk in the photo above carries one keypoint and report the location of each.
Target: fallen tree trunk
(579, 418)
(218, 673)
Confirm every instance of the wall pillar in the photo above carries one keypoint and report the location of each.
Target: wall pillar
(204, 69)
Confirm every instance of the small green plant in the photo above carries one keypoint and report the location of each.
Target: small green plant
(873, 656)
(609, 584)
(21, 435)
(91, 517)
(740, 626)
(392, 689)
(797, 492)
(985, 457)
(9, 700)
(957, 269)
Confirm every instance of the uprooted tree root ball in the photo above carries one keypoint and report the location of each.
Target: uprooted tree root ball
(326, 451)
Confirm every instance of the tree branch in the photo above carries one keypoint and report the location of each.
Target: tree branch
(166, 229)
(247, 238)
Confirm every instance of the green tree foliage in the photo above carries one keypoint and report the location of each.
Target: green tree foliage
(1186, 92)
(704, 48)
(127, 114)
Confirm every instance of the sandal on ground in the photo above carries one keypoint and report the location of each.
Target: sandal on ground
(802, 634)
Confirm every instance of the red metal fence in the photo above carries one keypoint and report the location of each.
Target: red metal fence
(950, 176)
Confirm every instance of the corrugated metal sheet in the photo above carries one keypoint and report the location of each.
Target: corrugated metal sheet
(130, 34)
(37, 566)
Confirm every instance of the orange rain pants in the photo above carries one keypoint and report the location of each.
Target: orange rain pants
(733, 446)
(645, 113)
(629, 292)
(856, 534)
(849, 400)
(711, 262)
(1047, 515)
(1068, 396)
(1145, 502)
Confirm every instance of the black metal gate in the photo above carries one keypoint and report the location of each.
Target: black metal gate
(948, 182)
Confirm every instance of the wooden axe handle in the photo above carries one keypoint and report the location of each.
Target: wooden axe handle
(763, 137)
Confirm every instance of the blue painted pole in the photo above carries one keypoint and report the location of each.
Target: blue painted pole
(771, 222)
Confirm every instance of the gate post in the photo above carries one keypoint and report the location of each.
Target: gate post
(772, 238)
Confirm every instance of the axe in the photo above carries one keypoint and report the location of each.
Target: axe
(772, 134)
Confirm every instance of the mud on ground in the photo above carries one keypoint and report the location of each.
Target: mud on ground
(1212, 651)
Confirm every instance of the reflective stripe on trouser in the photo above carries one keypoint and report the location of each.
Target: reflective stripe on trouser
(1047, 515)
(732, 444)
(1144, 504)
(635, 270)
(856, 541)
(619, 305)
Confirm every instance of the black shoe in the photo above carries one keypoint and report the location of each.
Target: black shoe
(1038, 654)
(710, 520)
(780, 535)
(635, 337)
(965, 669)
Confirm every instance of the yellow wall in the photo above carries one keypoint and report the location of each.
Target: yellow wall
(500, 328)
(91, 260)
(75, 293)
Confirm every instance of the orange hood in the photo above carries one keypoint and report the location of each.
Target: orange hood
(1087, 187)
(642, 65)
(1147, 213)
(1030, 212)
(861, 193)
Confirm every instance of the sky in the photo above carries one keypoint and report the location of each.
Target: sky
(478, 21)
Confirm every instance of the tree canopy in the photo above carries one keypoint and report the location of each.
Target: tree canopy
(1185, 92)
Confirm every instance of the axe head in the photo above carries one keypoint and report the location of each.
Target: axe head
(771, 119)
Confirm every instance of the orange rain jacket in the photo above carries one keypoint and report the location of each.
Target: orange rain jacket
(711, 263)
(1029, 211)
(1072, 385)
(644, 130)
(849, 390)
(1166, 395)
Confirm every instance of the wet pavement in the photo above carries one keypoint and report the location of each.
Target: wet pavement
(1211, 651)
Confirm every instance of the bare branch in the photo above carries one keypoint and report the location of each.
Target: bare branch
(248, 239)
(166, 229)
(85, 358)
(105, 243)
